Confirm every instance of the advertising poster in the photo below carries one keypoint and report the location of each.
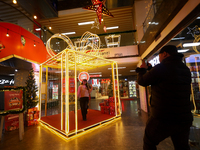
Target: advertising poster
(55, 91)
(13, 100)
(11, 122)
(71, 85)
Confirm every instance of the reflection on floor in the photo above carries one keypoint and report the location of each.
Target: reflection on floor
(124, 134)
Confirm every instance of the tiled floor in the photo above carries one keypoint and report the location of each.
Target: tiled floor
(124, 134)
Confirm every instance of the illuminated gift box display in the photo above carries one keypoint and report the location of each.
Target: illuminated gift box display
(59, 104)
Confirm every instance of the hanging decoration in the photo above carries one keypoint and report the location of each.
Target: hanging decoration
(104, 28)
(95, 24)
(99, 7)
(89, 43)
(1, 46)
(113, 40)
(195, 32)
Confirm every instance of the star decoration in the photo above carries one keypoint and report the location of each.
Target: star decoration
(99, 7)
(97, 24)
(193, 31)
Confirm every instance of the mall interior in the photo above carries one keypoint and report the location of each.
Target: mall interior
(103, 41)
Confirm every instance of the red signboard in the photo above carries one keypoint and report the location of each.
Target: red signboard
(83, 75)
(13, 100)
(71, 85)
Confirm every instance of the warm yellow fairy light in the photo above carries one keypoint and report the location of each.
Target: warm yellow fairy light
(35, 17)
(14, 2)
(67, 138)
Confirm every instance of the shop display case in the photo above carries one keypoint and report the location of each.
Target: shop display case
(132, 89)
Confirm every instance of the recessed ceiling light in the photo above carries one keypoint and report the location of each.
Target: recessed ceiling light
(132, 70)
(95, 73)
(183, 50)
(180, 38)
(85, 23)
(191, 44)
(115, 27)
(117, 68)
(68, 33)
(38, 29)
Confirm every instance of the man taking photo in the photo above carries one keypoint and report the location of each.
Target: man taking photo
(170, 100)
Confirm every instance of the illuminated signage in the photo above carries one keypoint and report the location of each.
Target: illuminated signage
(83, 75)
(154, 61)
(6, 81)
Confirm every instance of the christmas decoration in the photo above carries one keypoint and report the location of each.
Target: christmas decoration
(89, 43)
(32, 116)
(104, 28)
(113, 40)
(99, 7)
(95, 24)
(31, 90)
(195, 32)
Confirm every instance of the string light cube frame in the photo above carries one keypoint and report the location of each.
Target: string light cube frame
(66, 65)
(113, 40)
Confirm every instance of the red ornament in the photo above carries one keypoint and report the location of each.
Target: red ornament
(104, 28)
(99, 7)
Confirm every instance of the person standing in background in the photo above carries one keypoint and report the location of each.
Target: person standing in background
(170, 100)
(84, 93)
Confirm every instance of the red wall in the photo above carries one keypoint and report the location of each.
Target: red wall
(14, 46)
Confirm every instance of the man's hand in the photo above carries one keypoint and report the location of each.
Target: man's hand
(144, 65)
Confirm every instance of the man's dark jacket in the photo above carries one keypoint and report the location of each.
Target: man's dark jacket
(170, 89)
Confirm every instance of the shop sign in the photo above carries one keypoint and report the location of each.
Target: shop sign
(83, 75)
(96, 75)
(154, 61)
(6, 81)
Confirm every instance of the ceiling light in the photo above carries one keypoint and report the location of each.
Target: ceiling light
(16, 70)
(118, 68)
(180, 38)
(50, 28)
(68, 33)
(156, 23)
(95, 73)
(85, 23)
(7, 34)
(132, 70)
(198, 17)
(183, 50)
(35, 17)
(115, 27)
(14, 2)
(37, 29)
(191, 44)
(118, 75)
